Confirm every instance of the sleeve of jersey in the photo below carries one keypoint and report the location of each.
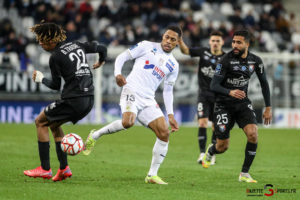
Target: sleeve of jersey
(119, 63)
(168, 98)
(217, 79)
(139, 49)
(94, 47)
(55, 82)
(260, 71)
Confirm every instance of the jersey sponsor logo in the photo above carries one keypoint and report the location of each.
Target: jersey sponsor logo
(170, 65)
(148, 66)
(133, 47)
(251, 62)
(158, 73)
(218, 69)
(208, 71)
(234, 62)
(170, 68)
(238, 82)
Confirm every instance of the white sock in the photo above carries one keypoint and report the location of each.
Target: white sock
(108, 129)
(159, 153)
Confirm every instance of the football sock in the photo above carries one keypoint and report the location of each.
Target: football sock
(250, 153)
(108, 129)
(212, 150)
(44, 154)
(159, 153)
(62, 156)
(213, 138)
(202, 139)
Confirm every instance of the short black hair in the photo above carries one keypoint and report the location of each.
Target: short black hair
(243, 33)
(216, 33)
(176, 29)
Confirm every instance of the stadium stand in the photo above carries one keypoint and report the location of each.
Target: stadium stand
(116, 23)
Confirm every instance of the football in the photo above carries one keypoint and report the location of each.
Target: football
(72, 144)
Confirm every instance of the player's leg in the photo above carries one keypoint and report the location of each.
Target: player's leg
(160, 148)
(247, 121)
(153, 118)
(44, 170)
(213, 135)
(203, 114)
(64, 170)
(202, 137)
(223, 123)
(128, 119)
(129, 112)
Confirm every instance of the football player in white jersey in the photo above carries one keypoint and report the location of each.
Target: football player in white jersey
(153, 64)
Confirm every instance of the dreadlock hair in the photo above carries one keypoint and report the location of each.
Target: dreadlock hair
(49, 32)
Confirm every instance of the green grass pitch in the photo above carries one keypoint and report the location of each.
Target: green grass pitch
(118, 166)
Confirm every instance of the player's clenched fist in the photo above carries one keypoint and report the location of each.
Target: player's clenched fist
(37, 76)
(121, 80)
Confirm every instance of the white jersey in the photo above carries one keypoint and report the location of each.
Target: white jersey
(152, 65)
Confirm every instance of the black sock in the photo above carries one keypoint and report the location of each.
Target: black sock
(44, 154)
(213, 138)
(202, 139)
(212, 150)
(62, 156)
(250, 153)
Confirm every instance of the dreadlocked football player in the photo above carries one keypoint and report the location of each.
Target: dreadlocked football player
(67, 61)
(206, 97)
(230, 83)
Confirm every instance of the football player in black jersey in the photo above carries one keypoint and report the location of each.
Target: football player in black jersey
(230, 82)
(206, 98)
(67, 61)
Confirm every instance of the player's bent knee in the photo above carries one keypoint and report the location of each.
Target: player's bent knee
(127, 124)
(163, 135)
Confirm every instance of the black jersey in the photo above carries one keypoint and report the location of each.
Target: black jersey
(234, 72)
(207, 65)
(68, 60)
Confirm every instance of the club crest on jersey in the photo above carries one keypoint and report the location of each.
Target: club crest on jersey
(222, 128)
(251, 68)
(218, 69)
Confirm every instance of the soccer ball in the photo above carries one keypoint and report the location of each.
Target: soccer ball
(72, 144)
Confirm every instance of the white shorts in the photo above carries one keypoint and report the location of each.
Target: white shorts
(146, 110)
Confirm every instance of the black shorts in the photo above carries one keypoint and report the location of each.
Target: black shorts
(226, 115)
(205, 106)
(73, 109)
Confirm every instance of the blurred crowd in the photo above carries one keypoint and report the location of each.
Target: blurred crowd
(126, 22)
